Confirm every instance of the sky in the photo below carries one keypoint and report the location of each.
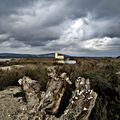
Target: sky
(74, 27)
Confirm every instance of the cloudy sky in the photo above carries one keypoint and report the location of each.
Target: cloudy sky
(76, 27)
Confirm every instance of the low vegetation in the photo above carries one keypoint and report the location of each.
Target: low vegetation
(35, 72)
(102, 73)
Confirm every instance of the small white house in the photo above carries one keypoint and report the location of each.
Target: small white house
(59, 58)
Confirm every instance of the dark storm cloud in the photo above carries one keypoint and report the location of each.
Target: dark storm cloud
(60, 25)
(10, 6)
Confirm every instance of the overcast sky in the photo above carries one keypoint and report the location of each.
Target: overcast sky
(76, 27)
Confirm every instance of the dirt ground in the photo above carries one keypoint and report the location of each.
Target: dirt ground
(10, 106)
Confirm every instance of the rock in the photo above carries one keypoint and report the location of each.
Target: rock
(118, 73)
(44, 105)
(33, 96)
(81, 103)
(55, 90)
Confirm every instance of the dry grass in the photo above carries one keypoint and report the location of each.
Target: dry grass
(11, 77)
(102, 74)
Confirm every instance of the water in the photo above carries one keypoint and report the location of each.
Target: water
(4, 59)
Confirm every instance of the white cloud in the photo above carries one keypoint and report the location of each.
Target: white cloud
(101, 44)
(83, 36)
(4, 36)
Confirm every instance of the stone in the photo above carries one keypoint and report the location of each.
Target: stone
(81, 108)
(44, 105)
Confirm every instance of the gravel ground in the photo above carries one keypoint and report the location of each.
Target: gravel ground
(10, 106)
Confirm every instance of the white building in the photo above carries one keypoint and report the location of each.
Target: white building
(59, 58)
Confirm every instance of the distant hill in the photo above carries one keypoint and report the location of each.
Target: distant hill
(15, 55)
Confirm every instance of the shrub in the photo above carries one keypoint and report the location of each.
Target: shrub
(11, 77)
